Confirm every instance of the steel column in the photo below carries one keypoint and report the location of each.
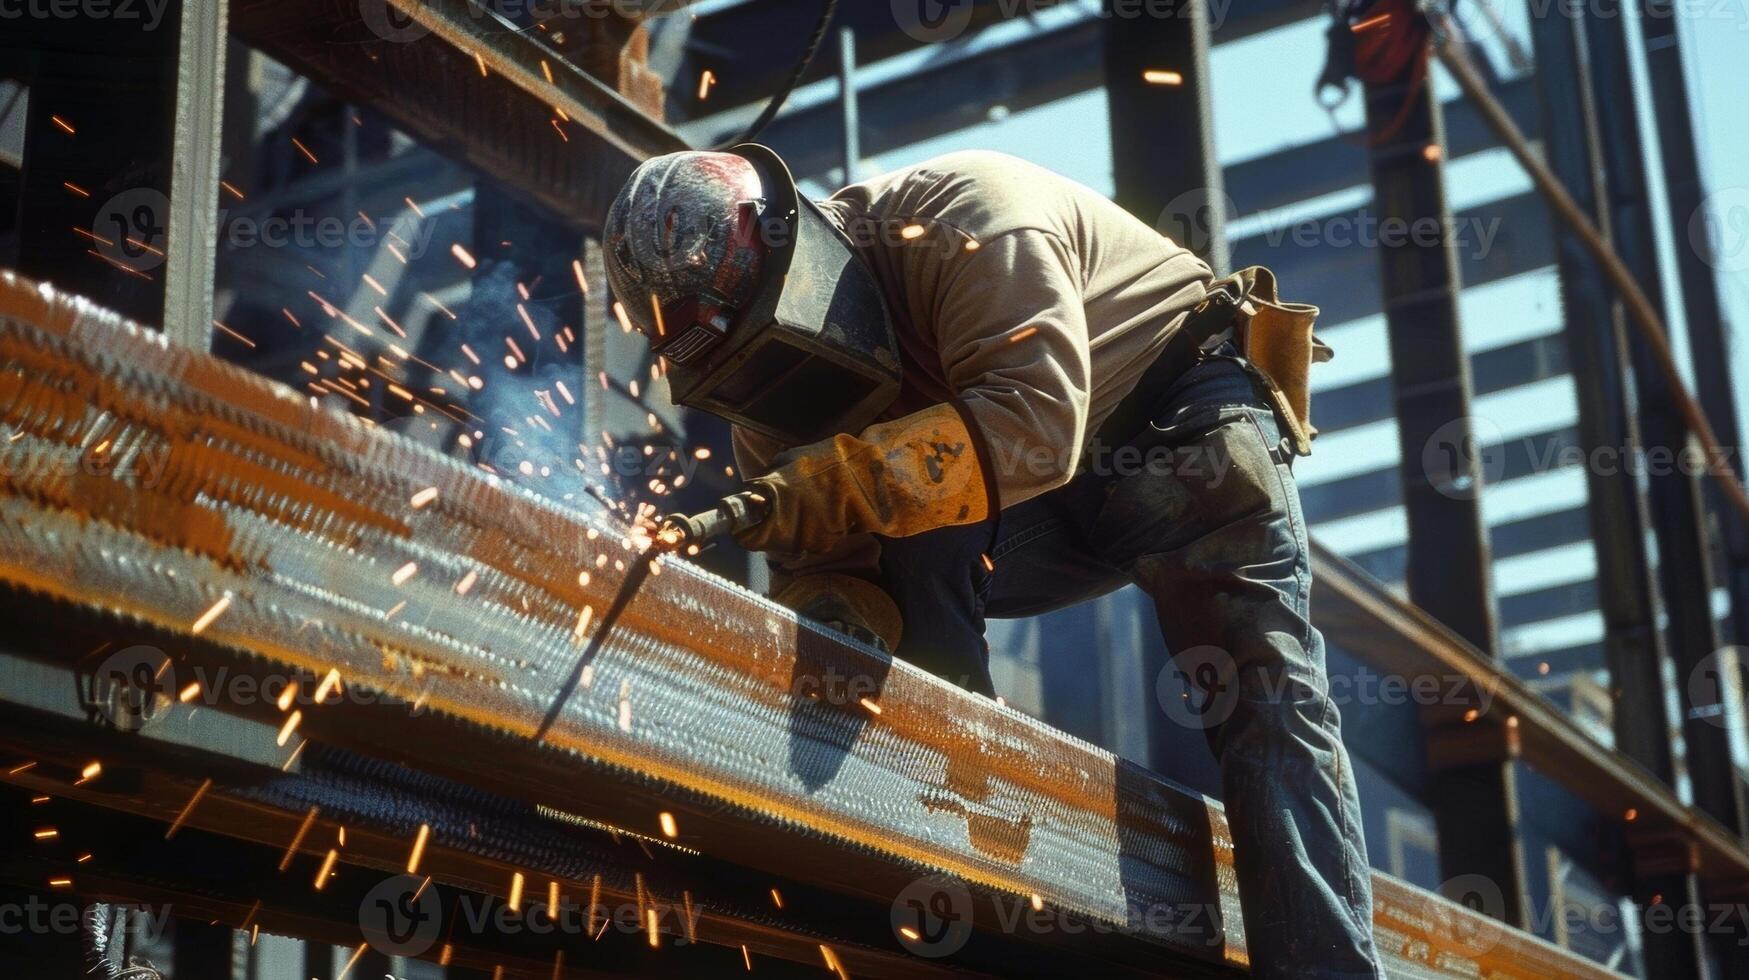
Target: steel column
(1696, 271)
(1710, 359)
(847, 103)
(194, 177)
(1627, 596)
(1163, 160)
(1685, 572)
(1685, 558)
(1474, 797)
(1162, 126)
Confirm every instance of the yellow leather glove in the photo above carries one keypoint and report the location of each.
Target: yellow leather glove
(898, 478)
(852, 606)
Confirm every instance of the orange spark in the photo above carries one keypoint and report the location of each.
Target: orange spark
(182, 817)
(291, 725)
(418, 848)
(330, 683)
(214, 612)
(234, 333)
(327, 867)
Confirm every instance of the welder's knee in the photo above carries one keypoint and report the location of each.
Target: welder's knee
(939, 582)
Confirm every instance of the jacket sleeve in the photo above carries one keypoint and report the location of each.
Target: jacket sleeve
(1012, 334)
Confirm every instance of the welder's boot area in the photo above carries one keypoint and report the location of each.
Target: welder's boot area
(1200, 511)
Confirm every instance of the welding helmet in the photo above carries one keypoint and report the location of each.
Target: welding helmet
(759, 305)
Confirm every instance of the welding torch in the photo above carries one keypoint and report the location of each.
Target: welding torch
(734, 514)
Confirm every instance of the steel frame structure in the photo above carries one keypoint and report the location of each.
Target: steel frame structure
(406, 80)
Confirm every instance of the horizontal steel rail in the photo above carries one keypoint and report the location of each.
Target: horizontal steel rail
(1364, 618)
(468, 84)
(525, 650)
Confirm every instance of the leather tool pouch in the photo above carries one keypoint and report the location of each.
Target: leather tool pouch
(1276, 338)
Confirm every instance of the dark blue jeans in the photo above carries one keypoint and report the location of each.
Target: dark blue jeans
(1200, 511)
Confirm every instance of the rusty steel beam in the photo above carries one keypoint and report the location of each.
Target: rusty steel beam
(280, 827)
(468, 84)
(182, 496)
(1364, 618)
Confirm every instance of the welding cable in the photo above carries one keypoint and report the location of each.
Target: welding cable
(795, 77)
(1641, 311)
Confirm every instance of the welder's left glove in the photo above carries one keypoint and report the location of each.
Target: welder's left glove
(896, 479)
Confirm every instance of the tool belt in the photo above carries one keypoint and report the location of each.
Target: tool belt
(1274, 338)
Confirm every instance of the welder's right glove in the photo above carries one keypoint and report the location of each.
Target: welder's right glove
(896, 479)
(853, 606)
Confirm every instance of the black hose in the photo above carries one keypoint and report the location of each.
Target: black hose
(783, 92)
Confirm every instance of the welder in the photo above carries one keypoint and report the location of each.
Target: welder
(974, 388)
